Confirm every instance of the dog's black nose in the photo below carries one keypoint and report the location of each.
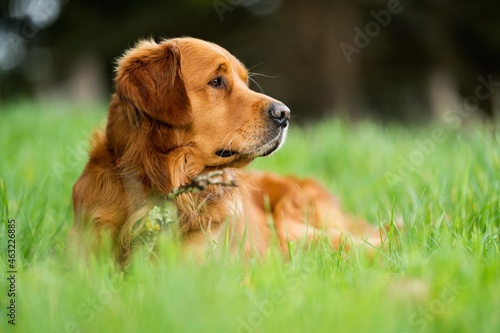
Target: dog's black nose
(280, 113)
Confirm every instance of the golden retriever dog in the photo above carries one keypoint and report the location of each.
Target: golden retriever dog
(182, 108)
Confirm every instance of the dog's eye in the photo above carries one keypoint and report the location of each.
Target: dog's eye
(216, 82)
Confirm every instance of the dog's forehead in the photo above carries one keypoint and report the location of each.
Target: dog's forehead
(208, 55)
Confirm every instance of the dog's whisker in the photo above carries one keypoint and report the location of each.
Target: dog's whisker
(244, 144)
(228, 134)
(256, 65)
(229, 144)
(258, 85)
(263, 75)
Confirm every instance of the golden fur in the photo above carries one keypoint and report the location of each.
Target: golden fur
(182, 108)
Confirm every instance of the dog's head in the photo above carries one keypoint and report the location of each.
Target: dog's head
(199, 92)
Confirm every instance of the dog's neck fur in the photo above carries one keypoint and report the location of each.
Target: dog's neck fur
(152, 162)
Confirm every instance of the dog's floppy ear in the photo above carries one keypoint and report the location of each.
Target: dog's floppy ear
(148, 76)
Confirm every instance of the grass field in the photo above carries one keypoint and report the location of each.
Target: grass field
(443, 182)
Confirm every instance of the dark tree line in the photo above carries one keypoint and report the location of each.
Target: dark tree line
(399, 60)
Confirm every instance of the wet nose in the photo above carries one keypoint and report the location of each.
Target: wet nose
(280, 113)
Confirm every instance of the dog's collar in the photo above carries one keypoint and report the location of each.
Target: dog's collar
(162, 217)
(201, 183)
(197, 184)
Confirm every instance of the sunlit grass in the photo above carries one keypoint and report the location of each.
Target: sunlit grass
(442, 277)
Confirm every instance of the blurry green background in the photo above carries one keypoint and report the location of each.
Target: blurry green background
(384, 59)
(430, 63)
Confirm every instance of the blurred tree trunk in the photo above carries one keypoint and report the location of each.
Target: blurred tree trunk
(451, 56)
(321, 27)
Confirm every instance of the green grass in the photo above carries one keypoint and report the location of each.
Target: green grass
(444, 276)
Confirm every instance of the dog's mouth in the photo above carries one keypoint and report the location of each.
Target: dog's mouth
(272, 145)
(226, 153)
(262, 150)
